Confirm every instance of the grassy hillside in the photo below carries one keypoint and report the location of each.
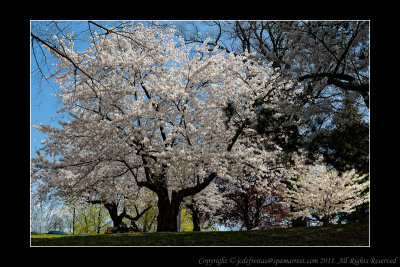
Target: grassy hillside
(355, 234)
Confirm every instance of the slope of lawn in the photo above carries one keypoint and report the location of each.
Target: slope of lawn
(354, 234)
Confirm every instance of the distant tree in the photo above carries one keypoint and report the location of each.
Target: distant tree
(45, 216)
(89, 218)
(249, 205)
(186, 221)
(189, 223)
(346, 145)
(118, 212)
(202, 208)
(322, 193)
(148, 222)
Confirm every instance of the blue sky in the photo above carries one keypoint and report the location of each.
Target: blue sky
(43, 110)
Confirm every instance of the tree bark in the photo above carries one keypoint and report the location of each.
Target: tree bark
(113, 211)
(167, 219)
(246, 214)
(196, 221)
(299, 222)
(195, 217)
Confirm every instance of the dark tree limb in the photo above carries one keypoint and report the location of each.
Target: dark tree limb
(138, 215)
(54, 49)
(343, 81)
(190, 191)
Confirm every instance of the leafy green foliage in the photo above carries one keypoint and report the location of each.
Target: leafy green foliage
(229, 111)
(89, 218)
(344, 148)
(148, 221)
(187, 222)
(281, 128)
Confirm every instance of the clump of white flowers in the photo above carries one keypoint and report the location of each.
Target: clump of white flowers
(320, 192)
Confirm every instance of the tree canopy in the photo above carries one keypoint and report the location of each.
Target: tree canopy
(156, 114)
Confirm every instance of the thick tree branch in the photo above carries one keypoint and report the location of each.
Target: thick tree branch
(190, 191)
(138, 215)
(340, 76)
(346, 49)
(338, 80)
(238, 133)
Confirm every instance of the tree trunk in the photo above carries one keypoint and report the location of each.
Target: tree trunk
(246, 214)
(113, 211)
(299, 222)
(325, 220)
(134, 226)
(196, 222)
(246, 221)
(98, 222)
(73, 223)
(195, 217)
(167, 219)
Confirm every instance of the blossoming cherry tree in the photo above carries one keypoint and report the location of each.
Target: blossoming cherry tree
(148, 110)
(320, 192)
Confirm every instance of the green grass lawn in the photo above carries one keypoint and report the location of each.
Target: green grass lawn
(355, 234)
